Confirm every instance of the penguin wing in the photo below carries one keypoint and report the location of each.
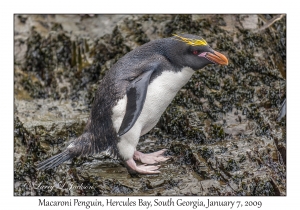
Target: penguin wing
(136, 95)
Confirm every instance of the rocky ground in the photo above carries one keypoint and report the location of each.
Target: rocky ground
(221, 129)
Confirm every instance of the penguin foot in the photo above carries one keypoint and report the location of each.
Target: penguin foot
(151, 158)
(141, 169)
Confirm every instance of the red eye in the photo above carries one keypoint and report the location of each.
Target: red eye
(195, 52)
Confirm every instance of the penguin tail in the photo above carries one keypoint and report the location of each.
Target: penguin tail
(81, 146)
(54, 161)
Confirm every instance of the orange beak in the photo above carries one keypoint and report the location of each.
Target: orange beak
(217, 58)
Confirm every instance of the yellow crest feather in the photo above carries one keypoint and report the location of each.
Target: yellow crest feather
(192, 42)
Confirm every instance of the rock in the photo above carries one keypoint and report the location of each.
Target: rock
(249, 21)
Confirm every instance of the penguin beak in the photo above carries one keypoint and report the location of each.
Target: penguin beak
(217, 58)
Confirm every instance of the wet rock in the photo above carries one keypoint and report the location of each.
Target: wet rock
(155, 184)
(249, 21)
(48, 113)
(210, 186)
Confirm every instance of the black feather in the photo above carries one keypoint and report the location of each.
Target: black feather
(54, 161)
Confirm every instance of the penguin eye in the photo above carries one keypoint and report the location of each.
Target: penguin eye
(195, 52)
(131, 78)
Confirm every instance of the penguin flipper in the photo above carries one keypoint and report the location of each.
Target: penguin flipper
(136, 95)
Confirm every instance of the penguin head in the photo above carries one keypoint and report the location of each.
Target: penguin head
(193, 51)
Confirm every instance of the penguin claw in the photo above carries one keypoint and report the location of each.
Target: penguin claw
(145, 169)
(141, 169)
(158, 153)
(151, 158)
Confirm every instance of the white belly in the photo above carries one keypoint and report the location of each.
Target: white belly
(160, 93)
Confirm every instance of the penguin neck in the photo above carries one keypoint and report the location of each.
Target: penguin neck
(173, 80)
(185, 74)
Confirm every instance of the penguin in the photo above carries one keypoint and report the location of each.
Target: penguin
(133, 95)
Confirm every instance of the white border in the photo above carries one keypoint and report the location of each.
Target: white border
(153, 6)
